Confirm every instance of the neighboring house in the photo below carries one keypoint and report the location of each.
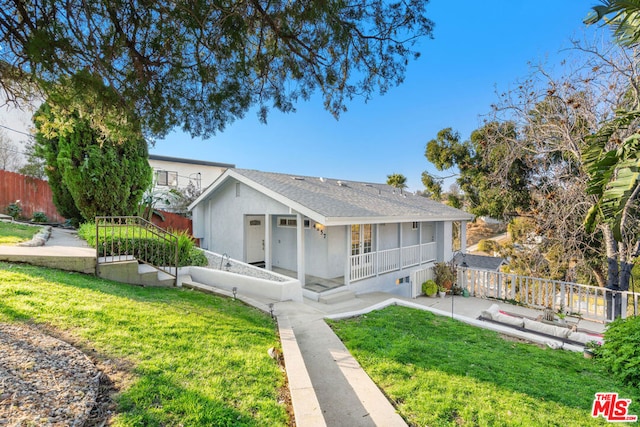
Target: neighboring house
(187, 176)
(479, 262)
(327, 233)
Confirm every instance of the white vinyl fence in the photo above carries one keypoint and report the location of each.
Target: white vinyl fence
(590, 302)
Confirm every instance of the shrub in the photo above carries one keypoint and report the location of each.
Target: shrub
(429, 288)
(444, 274)
(39, 217)
(154, 251)
(14, 210)
(488, 246)
(621, 350)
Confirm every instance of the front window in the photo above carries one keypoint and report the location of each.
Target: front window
(166, 178)
(361, 239)
(355, 239)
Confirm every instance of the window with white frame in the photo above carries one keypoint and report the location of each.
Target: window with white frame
(361, 239)
(291, 222)
(166, 178)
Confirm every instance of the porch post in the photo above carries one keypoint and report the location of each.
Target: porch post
(376, 251)
(347, 263)
(300, 246)
(400, 245)
(267, 241)
(463, 236)
(420, 243)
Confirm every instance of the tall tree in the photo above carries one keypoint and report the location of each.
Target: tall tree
(397, 180)
(557, 118)
(9, 154)
(474, 163)
(89, 174)
(35, 163)
(201, 64)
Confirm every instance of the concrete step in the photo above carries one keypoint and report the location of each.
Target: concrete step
(150, 276)
(134, 274)
(336, 297)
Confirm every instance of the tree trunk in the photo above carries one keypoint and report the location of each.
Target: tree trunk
(614, 300)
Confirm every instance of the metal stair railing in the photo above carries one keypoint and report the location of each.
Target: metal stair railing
(124, 238)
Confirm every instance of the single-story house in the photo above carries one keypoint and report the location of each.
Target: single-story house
(328, 233)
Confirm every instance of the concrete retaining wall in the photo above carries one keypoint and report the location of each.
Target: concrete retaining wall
(289, 290)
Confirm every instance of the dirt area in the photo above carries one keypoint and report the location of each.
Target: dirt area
(46, 380)
(479, 230)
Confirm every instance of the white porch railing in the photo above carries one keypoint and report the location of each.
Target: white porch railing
(362, 266)
(428, 252)
(590, 302)
(410, 256)
(388, 260)
(371, 264)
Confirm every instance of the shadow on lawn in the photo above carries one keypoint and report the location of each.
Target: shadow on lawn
(157, 295)
(151, 395)
(408, 337)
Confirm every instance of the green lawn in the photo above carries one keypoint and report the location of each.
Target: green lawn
(196, 359)
(441, 372)
(12, 233)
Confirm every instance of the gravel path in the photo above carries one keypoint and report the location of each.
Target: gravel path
(43, 380)
(215, 261)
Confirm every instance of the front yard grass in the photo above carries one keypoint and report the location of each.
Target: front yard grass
(442, 372)
(194, 359)
(13, 233)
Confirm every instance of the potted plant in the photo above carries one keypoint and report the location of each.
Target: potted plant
(429, 288)
(442, 291)
(444, 274)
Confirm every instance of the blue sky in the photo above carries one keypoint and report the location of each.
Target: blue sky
(478, 47)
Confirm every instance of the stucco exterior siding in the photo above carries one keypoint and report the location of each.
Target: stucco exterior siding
(225, 214)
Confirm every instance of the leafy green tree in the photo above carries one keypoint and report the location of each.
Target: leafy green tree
(474, 164)
(623, 16)
(89, 174)
(35, 164)
(201, 64)
(397, 180)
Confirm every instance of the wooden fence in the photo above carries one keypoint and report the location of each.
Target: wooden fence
(173, 222)
(34, 195)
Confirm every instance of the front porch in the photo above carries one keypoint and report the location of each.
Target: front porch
(313, 283)
(372, 264)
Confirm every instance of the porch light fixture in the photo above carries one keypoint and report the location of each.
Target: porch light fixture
(320, 229)
(235, 291)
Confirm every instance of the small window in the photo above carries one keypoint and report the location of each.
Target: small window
(254, 222)
(291, 222)
(415, 225)
(237, 189)
(166, 178)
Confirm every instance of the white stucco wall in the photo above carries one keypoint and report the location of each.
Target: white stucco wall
(409, 236)
(387, 236)
(222, 222)
(187, 171)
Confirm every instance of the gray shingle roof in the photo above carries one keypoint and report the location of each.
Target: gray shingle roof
(480, 262)
(333, 198)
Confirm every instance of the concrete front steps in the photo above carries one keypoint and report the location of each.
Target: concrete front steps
(332, 296)
(131, 272)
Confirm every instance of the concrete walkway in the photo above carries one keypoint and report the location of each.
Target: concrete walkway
(328, 386)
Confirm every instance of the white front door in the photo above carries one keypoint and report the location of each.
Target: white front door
(254, 237)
